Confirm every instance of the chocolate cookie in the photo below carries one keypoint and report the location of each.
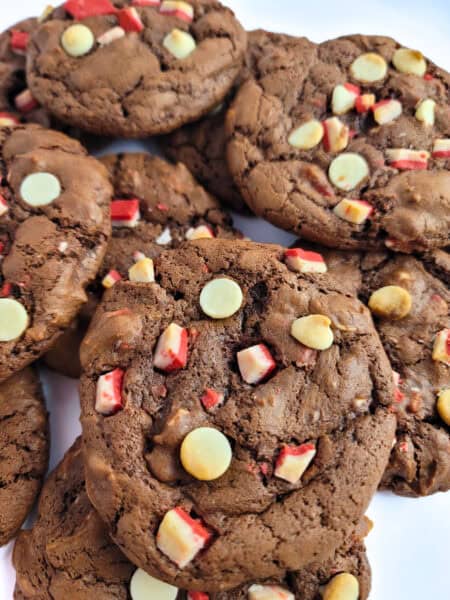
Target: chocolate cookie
(346, 143)
(23, 449)
(229, 410)
(134, 70)
(68, 554)
(54, 227)
(156, 206)
(409, 298)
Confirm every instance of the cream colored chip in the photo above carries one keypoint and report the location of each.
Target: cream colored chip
(77, 40)
(313, 331)
(348, 170)
(142, 271)
(206, 453)
(392, 302)
(13, 319)
(40, 189)
(369, 67)
(221, 298)
(307, 136)
(342, 587)
(410, 61)
(146, 587)
(179, 43)
(425, 112)
(443, 405)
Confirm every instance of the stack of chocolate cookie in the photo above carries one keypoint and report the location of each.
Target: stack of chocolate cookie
(241, 402)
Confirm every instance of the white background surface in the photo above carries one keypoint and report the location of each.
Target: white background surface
(409, 548)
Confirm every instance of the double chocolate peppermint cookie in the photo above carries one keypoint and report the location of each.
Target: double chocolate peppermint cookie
(68, 554)
(409, 298)
(54, 227)
(23, 449)
(230, 409)
(346, 143)
(135, 69)
(156, 206)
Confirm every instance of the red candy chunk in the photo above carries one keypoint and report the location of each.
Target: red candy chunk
(293, 461)
(179, 9)
(25, 102)
(180, 537)
(125, 213)
(8, 120)
(109, 399)
(5, 290)
(305, 261)
(3, 206)
(255, 363)
(130, 20)
(146, 2)
(19, 40)
(197, 596)
(81, 9)
(441, 148)
(364, 103)
(212, 399)
(171, 349)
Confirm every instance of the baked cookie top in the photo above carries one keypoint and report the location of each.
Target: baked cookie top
(24, 446)
(409, 298)
(230, 409)
(68, 554)
(346, 143)
(54, 227)
(134, 69)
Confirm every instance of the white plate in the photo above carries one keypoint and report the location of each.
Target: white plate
(409, 548)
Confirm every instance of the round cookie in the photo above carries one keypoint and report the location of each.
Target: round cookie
(346, 143)
(54, 227)
(24, 447)
(68, 554)
(409, 297)
(172, 206)
(119, 69)
(309, 430)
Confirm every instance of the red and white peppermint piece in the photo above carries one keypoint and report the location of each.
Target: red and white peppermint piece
(111, 278)
(199, 233)
(125, 213)
(109, 398)
(353, 211)
(171, 349)
(441, 349)
(386, 111)
(3, 206)
(164, 238)
(344, 98)
(269, 592)
(305, 261)
(19, 41)
(441, 148)
(8, 120)
(180, 537)
(293, 461)
(181, 10)
(364, 103)
(212, 399)
(130, 20)
(25, 102)
(405, 159)
(146, 2)
(336, 135)
(255, 363)
(81, 9)
(197, 596)
(111, 36)
(398, 394)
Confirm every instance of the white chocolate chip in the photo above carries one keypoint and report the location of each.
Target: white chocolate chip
(206, 453)
(348, 170)
(443, 405)
(307, 135)
(410, 61)
(164, 238)
(40, 189)
(369, 67)
(425, 112)
(313, 331)
(142, 271)
(221, 298)
(391, 302)
(342, 587)
(179, 43)
(77, 40)
(145, 587)
(13, 319)
(202, 232)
